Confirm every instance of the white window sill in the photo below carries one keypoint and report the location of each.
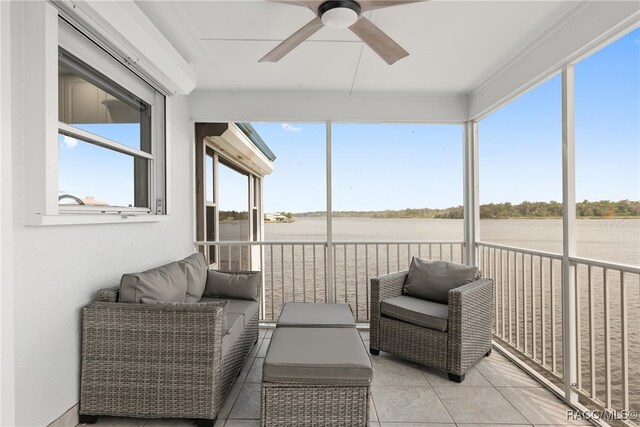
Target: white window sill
(79, 219)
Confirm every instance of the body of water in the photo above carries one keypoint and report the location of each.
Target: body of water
(299, 273)
(615, 240)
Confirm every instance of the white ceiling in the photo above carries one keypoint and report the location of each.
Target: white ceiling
(454, 46)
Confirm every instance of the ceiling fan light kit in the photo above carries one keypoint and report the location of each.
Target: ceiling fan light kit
(339, 14)
(344, 14)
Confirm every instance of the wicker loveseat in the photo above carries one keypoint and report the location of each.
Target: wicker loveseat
(164, 360)
(452, 339)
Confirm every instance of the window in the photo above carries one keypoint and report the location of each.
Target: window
(110, 133)
(233, 203)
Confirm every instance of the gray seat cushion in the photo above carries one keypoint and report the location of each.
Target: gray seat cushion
(247, 308)
(196, 269)
(235, 326)
(432, 280)
(232, 286)
(161, 284)
(317, 356)
(417, 311)
(300, 314)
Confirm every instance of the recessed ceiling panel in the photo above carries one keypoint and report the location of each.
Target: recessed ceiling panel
(312, 66)
(253, 20)
(454, 46)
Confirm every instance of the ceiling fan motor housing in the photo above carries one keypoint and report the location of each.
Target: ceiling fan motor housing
(339, 13)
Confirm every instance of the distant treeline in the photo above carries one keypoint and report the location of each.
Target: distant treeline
(233, 215)
(585, 209)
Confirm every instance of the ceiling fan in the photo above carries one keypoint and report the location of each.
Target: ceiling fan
(343, 14)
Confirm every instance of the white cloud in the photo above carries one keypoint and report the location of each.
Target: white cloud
(69, 142)
(291, 128)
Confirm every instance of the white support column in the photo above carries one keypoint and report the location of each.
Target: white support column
(41, 106)
(471, 199)
(330, 266)
(568, 235)
(7, 355)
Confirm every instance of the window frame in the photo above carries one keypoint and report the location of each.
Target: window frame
(74, 44)
(254, 193)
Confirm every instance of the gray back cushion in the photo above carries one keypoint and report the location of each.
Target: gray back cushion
(162, 284)
(196, 268)
(235, 286)
(432, 280)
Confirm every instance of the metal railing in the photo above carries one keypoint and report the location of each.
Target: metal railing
(528, 320)
(302, 271)
(608, 334)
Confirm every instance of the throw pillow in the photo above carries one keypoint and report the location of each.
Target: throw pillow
(432, 280)
(235, 286)
(196, 268)
(162, 284)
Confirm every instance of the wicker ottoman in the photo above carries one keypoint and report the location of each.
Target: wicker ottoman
(316, 315)
(316, 377)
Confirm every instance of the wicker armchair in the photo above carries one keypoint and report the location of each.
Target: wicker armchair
(466, 341)
(157, 360)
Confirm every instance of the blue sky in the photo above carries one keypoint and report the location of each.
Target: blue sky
(397, 166)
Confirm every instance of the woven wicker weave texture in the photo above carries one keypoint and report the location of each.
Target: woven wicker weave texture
(469, 333)
(157, 361)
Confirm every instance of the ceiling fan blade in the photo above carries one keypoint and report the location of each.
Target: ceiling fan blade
(378, 41)
(366, 5)
(292, 41)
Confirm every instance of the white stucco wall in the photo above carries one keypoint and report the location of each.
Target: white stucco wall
(57, 269)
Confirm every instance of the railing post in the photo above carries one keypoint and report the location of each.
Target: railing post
(569, 331)
(330, 266)
(471, 202)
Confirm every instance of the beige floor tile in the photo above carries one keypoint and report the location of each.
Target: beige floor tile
(417, 425)
(255, 373)
(437, 378)
(478, 405)
(247, 405)
(174, 422)
(496, 424)
(106, 421)
(255, 348)
(538, 405)
(501, 372)
(242, 423)
(373, 416)
(394, 371)
(262, 352)
(225, 409)
(409, 404)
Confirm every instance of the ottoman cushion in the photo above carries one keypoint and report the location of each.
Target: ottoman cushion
(310, 315)
(332, 356)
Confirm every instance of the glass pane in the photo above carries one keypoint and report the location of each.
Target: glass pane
(94, 176)
(520, 154)
(233, 204)
(209, 178)
(97, 108)
(294, 194)
(607, 94)
(397, 182)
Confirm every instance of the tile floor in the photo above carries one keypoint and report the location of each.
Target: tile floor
(405, 394)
